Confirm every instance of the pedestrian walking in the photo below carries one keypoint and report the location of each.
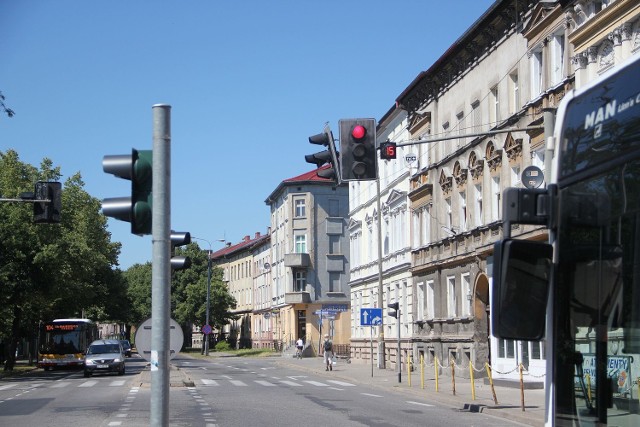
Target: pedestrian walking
(328, 353)
(299, 347)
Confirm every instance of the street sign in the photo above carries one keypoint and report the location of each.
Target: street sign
(206, 329)
(370, 316)
(335, 307)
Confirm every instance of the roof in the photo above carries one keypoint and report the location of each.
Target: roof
(310, 178)
(246, 244)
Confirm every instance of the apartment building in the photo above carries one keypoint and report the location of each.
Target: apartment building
(263, 333)
(309, 260)
(237, 264)
(470, 124)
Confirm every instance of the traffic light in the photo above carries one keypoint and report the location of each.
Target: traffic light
(358, 148)
(328, 156)
(179, 238)
(47, 211)
(135, 209)
(387, 150)
(394, 306)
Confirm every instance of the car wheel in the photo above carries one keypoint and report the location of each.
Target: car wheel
(87, 374)
(121, 371)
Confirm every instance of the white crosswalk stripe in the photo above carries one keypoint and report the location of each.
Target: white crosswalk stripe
(265, 383)
(341, 383)
(317, 384)
(88, 384)
(117, 383)
(8, 386)
(61, 384)
(209, 382)
(291, 383)
(238, 383)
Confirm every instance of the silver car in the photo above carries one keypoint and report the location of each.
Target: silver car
(104, 356)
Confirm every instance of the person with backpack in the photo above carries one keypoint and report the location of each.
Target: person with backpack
(328, 353)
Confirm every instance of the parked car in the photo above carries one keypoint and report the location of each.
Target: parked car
(104, 356)
(126, 346)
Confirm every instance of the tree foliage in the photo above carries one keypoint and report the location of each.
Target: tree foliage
(53, 270)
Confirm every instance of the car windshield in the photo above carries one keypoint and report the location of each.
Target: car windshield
(103, 348)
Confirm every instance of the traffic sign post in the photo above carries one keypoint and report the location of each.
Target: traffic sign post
(371, 317)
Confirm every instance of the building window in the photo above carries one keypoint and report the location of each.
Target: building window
(478, 205)
(557, 58)
(466, 294)
(476, 117)
(536, 72)
(426, 224)
(301, 281)
(495, 198)
(451, 296)
(537, 158)
(463, 210)
(447, 214)
(515, 93)
(461, 127)
(430, 313)
(446, 130)
(300, 208)
(301, 244)
(420, 300)
(515, 176)
(494, 106)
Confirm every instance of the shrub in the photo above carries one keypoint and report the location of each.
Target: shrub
(223, 346)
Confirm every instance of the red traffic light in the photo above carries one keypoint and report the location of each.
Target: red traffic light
(358, 132)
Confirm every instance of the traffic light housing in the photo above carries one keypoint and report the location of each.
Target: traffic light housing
(47, 211)
(358, 148)
(179, 238)
(394, 306)
(388, 150)
(328, 156)
(136, 209)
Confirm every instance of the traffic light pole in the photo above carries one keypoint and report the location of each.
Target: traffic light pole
(161, 265)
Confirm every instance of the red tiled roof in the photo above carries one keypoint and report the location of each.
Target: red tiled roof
(310, 176)
(246, 243)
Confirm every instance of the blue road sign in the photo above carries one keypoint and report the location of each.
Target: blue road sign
(370, 316)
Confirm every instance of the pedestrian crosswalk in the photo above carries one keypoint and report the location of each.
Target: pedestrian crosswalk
(273, 383)
(206, 382)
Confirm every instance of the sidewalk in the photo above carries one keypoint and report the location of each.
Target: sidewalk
(509, 398)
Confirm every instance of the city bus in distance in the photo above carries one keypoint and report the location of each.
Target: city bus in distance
(63, 342)
(580, 289)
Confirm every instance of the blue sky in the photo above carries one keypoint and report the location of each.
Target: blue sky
(248, 81)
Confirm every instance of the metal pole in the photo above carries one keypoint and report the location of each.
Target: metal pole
(399, 353)
(161, 265)
(381, 355)
(206, 338)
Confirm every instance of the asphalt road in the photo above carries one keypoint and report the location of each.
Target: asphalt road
(221, 392)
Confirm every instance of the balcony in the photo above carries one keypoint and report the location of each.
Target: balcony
(297, 260)
(297, 298)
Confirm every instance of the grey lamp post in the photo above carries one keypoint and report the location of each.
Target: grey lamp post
(206, 339)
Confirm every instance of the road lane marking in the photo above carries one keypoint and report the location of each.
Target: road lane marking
(117, 383)
(88, 384)
(291, 383)
(418, 403)
(60, 384)
(370, 395)
(209, 382)
(317, 384)
(265, 383)
(238, 383)
(341, 383)
(5, 387)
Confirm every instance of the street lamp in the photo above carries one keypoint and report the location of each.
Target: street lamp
(206, 339)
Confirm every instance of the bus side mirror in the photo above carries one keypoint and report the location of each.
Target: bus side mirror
(521, 275)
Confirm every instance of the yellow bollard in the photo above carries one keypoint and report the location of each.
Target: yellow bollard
(409, 369)
(435, 368)
(589, 387)
(422, 371)
(493, 390)
(473, 384)
(453, 376)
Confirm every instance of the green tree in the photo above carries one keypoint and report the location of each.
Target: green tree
(138, 279)
(52, 270)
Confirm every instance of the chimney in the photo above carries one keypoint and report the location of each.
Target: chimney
(257, 235)
(246, 238)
